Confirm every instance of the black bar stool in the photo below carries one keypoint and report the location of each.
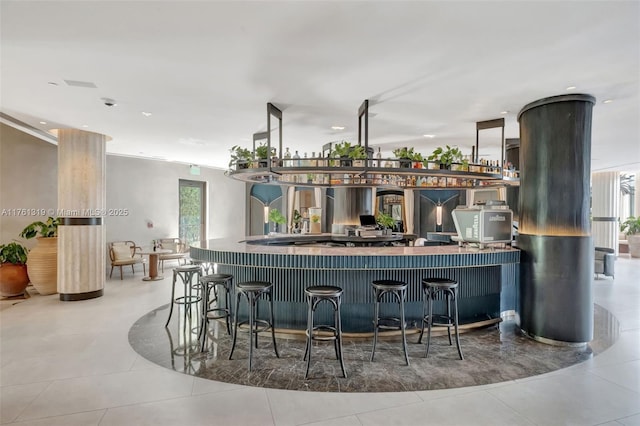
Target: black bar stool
(315, 295)
(398, 289)
(185, 273)
(253, 290)
(209, 283)
(431, 287)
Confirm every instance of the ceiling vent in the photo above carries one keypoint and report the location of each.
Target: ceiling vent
(76, 83)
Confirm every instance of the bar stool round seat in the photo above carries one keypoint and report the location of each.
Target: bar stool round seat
(218, 283)
(316, 295)
(398, 289)
(431, 288)
(254, 290)
(185, 274)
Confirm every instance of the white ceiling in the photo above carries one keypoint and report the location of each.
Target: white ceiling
(206, 71)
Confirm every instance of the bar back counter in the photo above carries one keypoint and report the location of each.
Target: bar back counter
(482, 276)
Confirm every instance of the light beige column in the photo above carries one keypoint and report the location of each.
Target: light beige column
(605, 209)
(81, 209)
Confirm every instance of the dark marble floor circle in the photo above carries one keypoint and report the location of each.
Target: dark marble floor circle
(493, 354)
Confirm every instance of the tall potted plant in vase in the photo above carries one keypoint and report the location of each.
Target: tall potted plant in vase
(631, 228)
(13, 269)
(42, 260)
(277, 218)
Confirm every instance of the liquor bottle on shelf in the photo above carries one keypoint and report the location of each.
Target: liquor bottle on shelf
(296, 159)
(378, 163)
(287, 158)
(313, 162)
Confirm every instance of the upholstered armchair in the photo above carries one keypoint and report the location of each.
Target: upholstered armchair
(604, 262)
(179, 251)
(123, 253)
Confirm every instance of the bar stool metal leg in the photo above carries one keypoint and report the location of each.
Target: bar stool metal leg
(430, 320)
(455, 313)
(402, 326)
(376, 319)
(273, 331)
(252, 307)
(339, 331)
(235, 324)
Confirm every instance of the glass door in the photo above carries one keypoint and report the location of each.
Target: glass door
(192, 210)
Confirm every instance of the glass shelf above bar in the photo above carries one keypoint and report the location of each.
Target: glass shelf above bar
(324, 172)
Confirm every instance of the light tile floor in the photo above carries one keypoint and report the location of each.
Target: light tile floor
(70, 364)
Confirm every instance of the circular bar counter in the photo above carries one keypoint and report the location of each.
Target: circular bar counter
(481, 275)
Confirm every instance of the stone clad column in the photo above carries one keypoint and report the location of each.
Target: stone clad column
(605, 209)
(556, 262)
(81, 209)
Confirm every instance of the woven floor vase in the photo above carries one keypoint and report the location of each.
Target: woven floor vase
(42, 265)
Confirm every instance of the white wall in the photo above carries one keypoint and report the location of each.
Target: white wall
(147, 188)
(28, 180)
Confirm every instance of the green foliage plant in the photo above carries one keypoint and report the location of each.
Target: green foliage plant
(631, 226)
(446, 157)
(14, 253)
(239, 154)
(342, 149)
(357, 153)
(385, 220)
(405, 153)
(276, 217)
(262, 152)
(41, 229)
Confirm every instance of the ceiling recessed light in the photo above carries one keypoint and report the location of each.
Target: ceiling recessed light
(504, 112)
(337, 127)
(85, 125)
(52, 83)
(43, 122)
(146, 114)
(429, 136)
(608, 101)
(571, 88)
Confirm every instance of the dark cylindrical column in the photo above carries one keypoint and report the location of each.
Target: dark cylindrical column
(556, 301)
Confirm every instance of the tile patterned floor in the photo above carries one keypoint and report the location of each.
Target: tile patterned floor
(492, 355)
(71, 364)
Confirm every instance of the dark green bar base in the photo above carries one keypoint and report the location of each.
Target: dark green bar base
(556, 300)
(72, 297)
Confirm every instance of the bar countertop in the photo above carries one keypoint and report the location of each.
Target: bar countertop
(302, 245)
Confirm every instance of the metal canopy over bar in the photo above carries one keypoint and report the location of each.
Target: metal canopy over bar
(325, 171)
(490, 124)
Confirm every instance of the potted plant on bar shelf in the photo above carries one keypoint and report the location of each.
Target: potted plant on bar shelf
(240, 157)
(13, 269)
(446, 157)
(347, 153)
(262, 154)
(407, 156)
(631, 228)
(42, 260)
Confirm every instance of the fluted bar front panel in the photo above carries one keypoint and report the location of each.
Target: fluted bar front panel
(480, 276)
